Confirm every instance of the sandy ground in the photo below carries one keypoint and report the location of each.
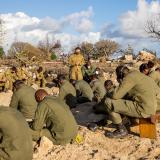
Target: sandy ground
(96, 146)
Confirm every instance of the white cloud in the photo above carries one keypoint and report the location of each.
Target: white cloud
(132, 25)
(23, 27)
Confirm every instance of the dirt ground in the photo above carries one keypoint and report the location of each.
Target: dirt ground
(96, 146)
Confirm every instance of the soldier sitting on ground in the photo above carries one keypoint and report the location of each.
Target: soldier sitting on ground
(83, 90)
(147, 70)
(61, 127)
(87, 71)
(140, 101)
(67, 92)
(100, 75)
(23, 99)
(110, 88)
(16, 140)
(97, 88)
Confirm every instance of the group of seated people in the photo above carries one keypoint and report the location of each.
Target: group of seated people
(138, 95)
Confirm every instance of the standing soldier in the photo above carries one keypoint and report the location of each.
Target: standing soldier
(3, 84)
(9, 79)
(76, 61)
(40, 79)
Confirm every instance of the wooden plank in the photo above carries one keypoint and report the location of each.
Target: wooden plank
(147, 129)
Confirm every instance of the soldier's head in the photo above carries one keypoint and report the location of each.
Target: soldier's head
(23, 65)
(61, 78)
(93, 77)
(98, 72)
(73, 82)
(77, 50)
(88, 64)
(40, 95)
(40, 69)
(157, 69)
(150, 64)
(18, 84)
(108, 84)
(144, 68)
(13, 69)
(121, 72)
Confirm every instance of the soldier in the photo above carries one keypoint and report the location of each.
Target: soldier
(3, 82)
(87, 71)
(97, 88)
(154, 74)
(23, 100)
(99, 74)
(61, 127)
(76, 61)
(110, 88)
(84, 91)
(135, 97)
(67, 92)
(9, 78)
(16, 140)
(40, 79)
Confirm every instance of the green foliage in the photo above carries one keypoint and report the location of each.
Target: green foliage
(1, 52)
(53, 56)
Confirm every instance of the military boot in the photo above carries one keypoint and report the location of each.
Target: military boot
(119, 133)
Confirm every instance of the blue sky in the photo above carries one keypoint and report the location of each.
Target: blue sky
(104, 10)
(120, 20)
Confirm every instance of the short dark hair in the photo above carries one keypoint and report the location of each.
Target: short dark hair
(14, 69)
(61, 77)
(143, 67)
(108, 83)
(18, 83)
(150, 64)
(157, 69)
(77, 48)
(73, 81)
(121, 70)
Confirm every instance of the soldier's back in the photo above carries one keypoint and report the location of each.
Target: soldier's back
(63, 124)
(17, 141)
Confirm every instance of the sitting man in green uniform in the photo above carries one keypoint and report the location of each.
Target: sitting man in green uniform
(135, 97)
(84, 91)
(61, 127)
(16, 140)
(67, 92)
(97, 88)
(23, 99)
(154, 74)
(87, 71)
(110, 89)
